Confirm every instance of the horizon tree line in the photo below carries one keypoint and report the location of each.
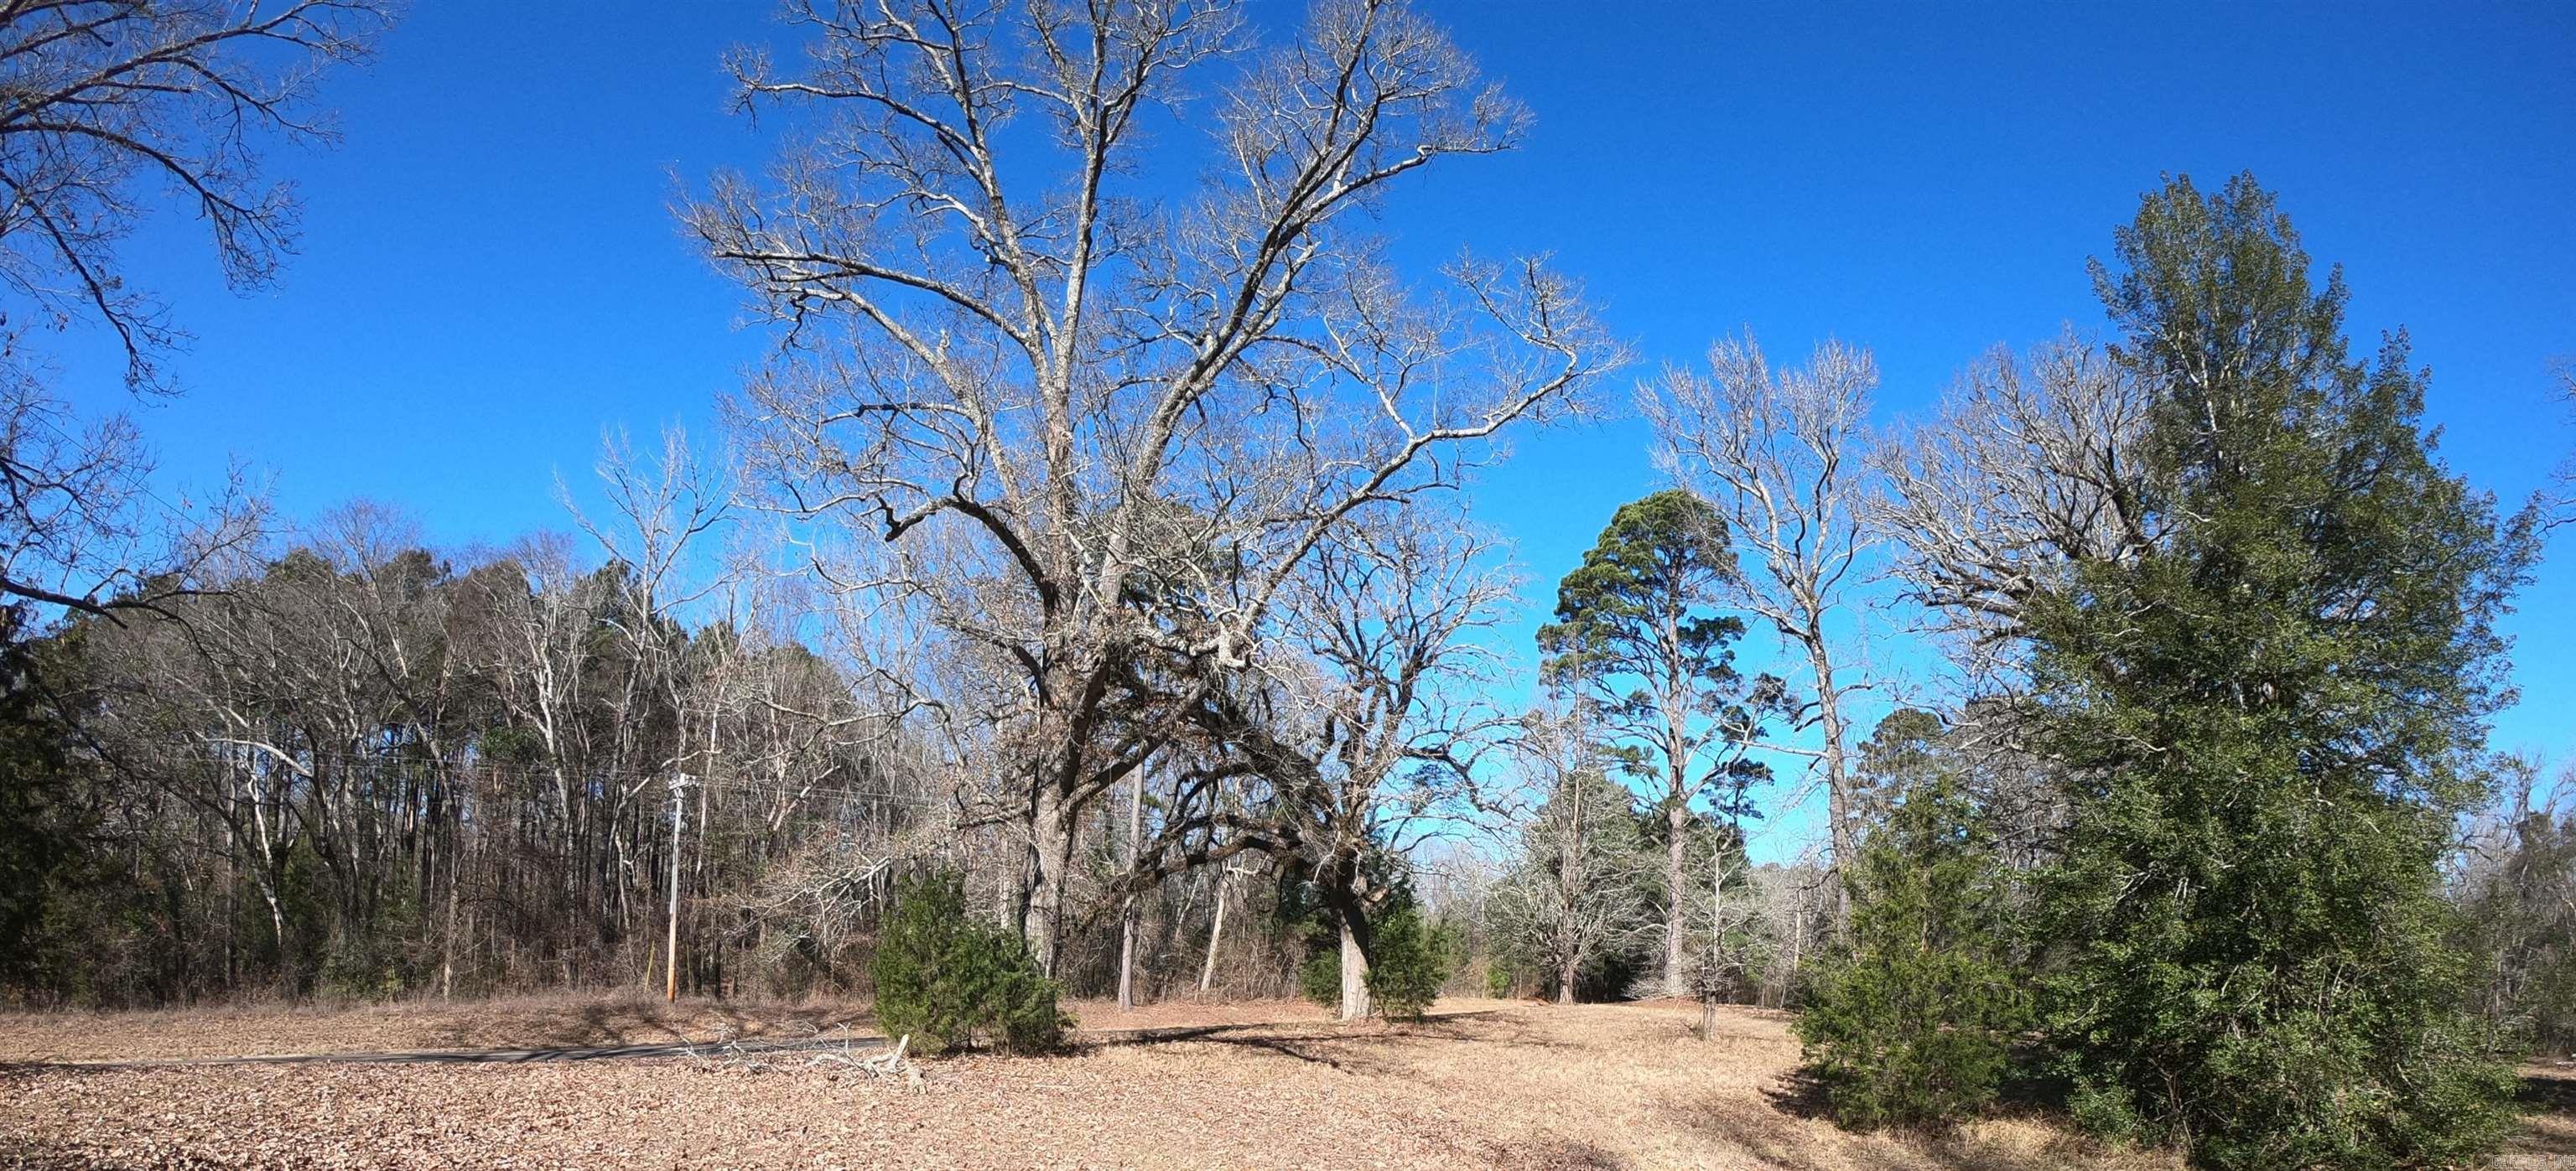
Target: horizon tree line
(1110, 548)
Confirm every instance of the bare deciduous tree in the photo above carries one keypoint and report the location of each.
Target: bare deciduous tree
(1098, 424)
(2028, 469)
(1389, 615)
(1781, 456)
(103, 105)
(1581, 886)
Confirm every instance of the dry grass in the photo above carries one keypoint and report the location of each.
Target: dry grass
(1513, 1085)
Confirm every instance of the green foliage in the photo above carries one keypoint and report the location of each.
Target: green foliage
(952, 982)
(2268, 719)
(1901, 754)
(381, 963)
(1651, 571)
(1915, 1024)
(2518, 917)
(1319, 976)
(37, 835)
(1640, 609)
(1409, 960)
(1581, 891)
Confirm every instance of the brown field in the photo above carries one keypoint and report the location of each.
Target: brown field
(562, 1020)
(1498, 1084)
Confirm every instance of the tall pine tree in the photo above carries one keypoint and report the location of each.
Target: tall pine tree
(2269, 721)
(1637, 633)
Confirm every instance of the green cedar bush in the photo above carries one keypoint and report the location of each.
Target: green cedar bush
(952, 982)
(1413, 959)
(2269, 720)
(1914, 1024)
(1319, 978)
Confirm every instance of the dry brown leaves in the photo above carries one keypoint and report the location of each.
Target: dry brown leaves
(553, 1021)
(1513, 1085)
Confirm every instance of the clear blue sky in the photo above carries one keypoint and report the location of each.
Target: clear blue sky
(490, 271)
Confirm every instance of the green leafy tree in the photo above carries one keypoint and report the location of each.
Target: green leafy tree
(949, 981)
(2268, 719)
(1914, 1024)
(1902, 754)
(1637, 636)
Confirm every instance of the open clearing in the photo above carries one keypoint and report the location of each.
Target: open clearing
(1506, 1084)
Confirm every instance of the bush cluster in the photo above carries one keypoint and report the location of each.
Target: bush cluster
(1913, 1025)
(1409, 960)
(952, 982)
(1413, 959)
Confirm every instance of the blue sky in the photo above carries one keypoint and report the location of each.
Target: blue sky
(491, 273)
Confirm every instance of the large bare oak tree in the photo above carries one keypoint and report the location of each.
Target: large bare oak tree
(1096, 410)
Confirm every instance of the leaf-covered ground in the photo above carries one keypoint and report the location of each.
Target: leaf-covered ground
(598, 1019)
(1511, 1085)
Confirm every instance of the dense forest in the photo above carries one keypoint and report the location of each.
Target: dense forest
(1108, 553)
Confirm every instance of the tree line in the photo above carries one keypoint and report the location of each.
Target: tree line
(1097, 556)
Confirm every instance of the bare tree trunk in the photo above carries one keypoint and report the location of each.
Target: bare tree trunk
(1127, 923)
(1051, 852)
(1716, 940)
(455, 878)
(1829, 720)
(671, 962)
(1797, 948)
(1570, 879)
(1355, 994)
(1216, 933)
(1676, 918)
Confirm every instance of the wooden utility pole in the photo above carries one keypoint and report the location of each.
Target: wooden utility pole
(671, 950)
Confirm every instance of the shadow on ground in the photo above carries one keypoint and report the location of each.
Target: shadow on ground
(2548, 1137)
(1376, 1048)
(641, 1022)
